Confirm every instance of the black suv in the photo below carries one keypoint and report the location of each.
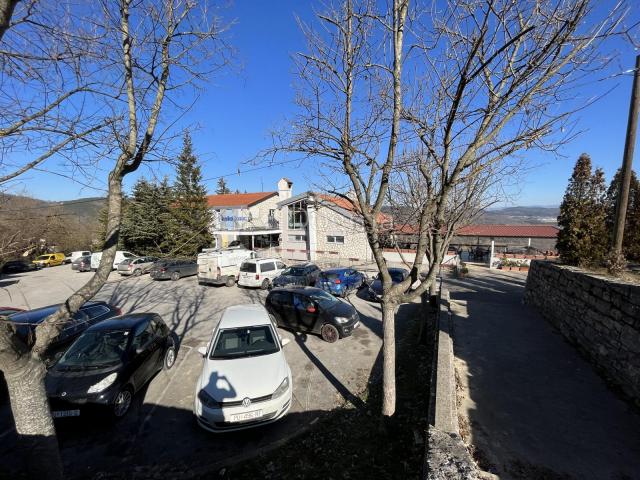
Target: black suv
(305, 274)
(173, 269)
(18, 266)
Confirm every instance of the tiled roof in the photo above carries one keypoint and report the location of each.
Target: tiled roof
(488, 230)
(238, 199)
(349, 205)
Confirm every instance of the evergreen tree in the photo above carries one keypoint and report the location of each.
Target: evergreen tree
(192, 216)
(631, 241)
(583, 237)
(222, 188)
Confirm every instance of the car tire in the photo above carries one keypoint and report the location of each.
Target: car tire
(329, 333)
(137, 272)
(265, 284)
(169, 358)
(230, 282)
(122, 403)
(175, 276)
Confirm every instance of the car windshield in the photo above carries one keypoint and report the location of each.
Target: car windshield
(396, 276)
(295, 271)
(96, 349)
(322, 298)
(248, 267)
(330, 275)
(244, 342)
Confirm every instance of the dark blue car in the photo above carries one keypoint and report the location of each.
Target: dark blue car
(340, 281)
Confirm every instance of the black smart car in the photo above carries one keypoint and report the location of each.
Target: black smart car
(109, 363)
(18, 266)
(89, 314)
(313, 310)
(303, 274)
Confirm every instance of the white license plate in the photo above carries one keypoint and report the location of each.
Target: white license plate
(242, 417)
(66, 413)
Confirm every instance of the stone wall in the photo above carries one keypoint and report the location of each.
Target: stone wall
(600, 315)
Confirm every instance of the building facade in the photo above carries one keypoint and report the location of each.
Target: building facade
(249, 218)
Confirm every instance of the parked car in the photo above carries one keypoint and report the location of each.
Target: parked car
(245, 380)
(260, 272)
(173, 269)
(222, 266)
(49, 260)
(120, 256)
(79, 253)
(340, 281)
(89, 314)
(310, 309)
(18, 266)
(136, 266)
(109, 363)
(305, 274)
(375, 289)
(82, 264)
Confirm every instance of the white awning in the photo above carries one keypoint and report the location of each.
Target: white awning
(247, 233)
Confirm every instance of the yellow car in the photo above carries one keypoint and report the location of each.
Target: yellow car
(49, 260)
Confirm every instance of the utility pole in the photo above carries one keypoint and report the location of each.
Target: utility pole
(630, 143)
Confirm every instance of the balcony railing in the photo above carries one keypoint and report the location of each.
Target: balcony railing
(239, 223)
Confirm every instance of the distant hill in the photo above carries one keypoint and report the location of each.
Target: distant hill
(521, 215)
(82, 208)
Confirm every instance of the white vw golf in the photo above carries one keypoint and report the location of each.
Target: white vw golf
(245, 379)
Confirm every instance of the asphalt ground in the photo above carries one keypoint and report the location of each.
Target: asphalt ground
(159, 429)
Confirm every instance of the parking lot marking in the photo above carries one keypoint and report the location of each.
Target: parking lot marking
(147, 418)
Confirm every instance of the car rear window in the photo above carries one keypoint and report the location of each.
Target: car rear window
(248, 267)
(330, 276)
(95, 311)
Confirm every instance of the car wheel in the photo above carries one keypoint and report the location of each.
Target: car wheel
(265, 284)
(329, 333)
(169, 358)
(175, 276)
(122, 402)
(230, 282)
(137, 272)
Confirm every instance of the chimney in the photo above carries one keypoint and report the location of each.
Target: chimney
(284, 188)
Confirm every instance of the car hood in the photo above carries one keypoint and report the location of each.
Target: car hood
(228, 380)
(69, 382)
(289, 280)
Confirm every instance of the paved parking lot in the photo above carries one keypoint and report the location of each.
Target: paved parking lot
(159, 429)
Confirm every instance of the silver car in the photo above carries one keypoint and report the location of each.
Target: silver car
(136, 266)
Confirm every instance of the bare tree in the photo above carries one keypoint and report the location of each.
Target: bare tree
(146, 50)
(427, 106)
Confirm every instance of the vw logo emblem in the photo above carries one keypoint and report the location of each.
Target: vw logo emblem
(246, 402)
(63, 394)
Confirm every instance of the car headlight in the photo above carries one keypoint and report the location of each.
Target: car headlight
(281, 390)
(103, 384)
(207, 400)
(342, 319)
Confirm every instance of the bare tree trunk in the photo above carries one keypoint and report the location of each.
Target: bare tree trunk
(389, 356)
(6, 11)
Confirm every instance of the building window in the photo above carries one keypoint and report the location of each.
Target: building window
(297, 238)
(335, 239)
(297, 215)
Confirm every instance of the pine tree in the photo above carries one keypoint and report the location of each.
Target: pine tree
(631, 241)
(582, 239)
(222, 187)
(191, 214)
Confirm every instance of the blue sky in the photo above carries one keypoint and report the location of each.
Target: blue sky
(237, 109)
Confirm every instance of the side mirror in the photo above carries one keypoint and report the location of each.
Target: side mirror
(285, 342)
(202, 351)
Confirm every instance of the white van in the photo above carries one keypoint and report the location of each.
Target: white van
(120, 256)
(221, 266)
(80, 253)
(260, 272)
